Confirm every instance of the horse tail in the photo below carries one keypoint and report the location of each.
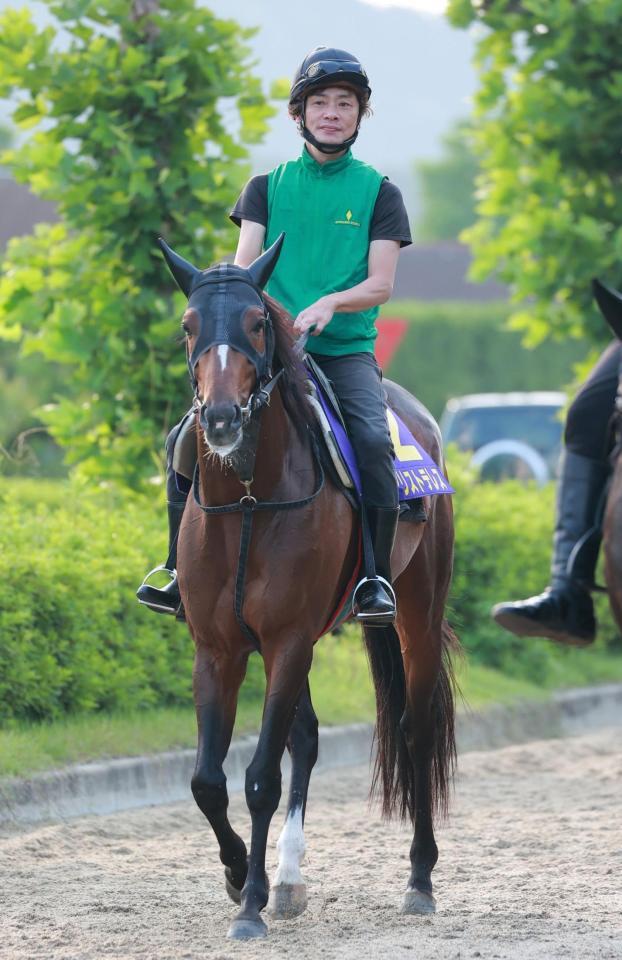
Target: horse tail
(393, 777)
(444, 719)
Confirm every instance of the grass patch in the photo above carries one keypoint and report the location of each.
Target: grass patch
(341, 690)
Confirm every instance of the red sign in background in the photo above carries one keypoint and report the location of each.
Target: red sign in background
(391, 332)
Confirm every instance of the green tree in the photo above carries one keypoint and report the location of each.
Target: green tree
(547, 112)
(6, 136)
(130, 141)
(448, 187)
(25, 446)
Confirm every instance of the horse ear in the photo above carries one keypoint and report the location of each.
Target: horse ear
(182, 270)
(261, 268)
(610, 303)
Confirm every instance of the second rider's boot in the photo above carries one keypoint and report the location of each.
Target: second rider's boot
(166, 599)
(373, 603)
(565, 611)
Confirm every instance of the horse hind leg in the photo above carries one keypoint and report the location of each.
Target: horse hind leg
(419, 898)
(288, 893)
(428, 729)
(400, 771)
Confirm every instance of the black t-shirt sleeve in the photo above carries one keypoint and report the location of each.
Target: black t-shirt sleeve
(390, 220)
(252, 204)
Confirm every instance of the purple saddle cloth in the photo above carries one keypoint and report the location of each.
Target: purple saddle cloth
(416, 473)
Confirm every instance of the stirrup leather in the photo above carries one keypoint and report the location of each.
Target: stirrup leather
(387, 587)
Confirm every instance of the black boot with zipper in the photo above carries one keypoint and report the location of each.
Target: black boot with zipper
(565, 610)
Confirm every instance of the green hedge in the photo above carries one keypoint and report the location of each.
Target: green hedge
(455, 348)
(74, 639)
(72, 636)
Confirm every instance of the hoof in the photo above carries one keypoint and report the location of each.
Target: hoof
(247, 930)
(418, 902)
(287, 900)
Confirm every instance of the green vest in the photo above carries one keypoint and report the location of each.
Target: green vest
(325, 211)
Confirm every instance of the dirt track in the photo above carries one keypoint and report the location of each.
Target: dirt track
(530, 866)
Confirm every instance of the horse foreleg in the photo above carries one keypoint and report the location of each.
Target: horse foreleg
(288, 894)
(215, 695)
(286, 675)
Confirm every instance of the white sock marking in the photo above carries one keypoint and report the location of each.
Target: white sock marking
(291, 847)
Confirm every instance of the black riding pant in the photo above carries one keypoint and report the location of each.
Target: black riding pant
(587, 423)
(357, 381)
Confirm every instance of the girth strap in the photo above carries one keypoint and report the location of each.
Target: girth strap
(247, 505)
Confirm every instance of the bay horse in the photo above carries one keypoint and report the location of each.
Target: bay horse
(610, 303)
(267, 548)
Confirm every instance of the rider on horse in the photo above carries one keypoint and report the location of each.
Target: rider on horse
(565, 611)
(344, 224)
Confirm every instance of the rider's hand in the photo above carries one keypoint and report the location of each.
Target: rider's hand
(315, 317)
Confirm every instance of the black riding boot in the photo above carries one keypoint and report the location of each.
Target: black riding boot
(374, 600)
(565, 611)
(166, 599)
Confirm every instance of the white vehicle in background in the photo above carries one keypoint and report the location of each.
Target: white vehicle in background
(515, 435)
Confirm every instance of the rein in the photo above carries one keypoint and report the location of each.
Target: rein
(247, 505)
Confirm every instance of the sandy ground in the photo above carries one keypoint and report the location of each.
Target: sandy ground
(530, 866)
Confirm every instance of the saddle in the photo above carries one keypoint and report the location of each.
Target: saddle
(416, 473)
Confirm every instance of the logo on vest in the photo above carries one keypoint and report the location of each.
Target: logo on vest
(349, 222)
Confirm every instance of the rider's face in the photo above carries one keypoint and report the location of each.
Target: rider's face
(332, 114)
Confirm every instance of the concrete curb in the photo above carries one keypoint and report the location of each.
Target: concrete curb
(117, 785)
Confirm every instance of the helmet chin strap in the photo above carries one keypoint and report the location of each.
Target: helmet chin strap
(328, 148)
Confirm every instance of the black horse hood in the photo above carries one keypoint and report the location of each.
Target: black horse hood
(222, 295)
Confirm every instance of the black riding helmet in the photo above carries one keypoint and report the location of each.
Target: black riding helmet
(325, 67)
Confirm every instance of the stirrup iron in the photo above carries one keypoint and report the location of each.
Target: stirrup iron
(389, 589)
(161, 568)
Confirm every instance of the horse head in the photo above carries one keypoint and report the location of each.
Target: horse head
(610, 304)
(229, 341)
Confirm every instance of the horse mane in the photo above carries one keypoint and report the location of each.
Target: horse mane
(293, 383)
